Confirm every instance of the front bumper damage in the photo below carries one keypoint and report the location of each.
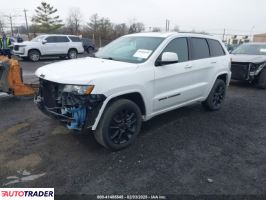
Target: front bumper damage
(75, 110)
(246, 71)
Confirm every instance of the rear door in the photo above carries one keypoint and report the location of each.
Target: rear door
(202, 66)
(217, 56)
(62, 44)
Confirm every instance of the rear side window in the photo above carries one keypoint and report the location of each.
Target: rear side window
(62, 39)
(75, 39)
(180, 47)
(200, 48)
(216, 48)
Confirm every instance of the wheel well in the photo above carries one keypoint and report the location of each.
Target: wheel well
(136, 98)
(223, 77)
(35, 50)
(73, 49)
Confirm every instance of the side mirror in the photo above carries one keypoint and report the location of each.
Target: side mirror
(168, 58)
(44, 41)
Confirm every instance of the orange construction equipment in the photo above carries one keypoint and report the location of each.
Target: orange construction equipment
(11, 80)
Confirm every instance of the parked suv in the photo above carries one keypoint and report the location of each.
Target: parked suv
(88, 45)
(49, 45)
(133, 79)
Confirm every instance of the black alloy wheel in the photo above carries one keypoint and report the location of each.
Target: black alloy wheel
(216, 96)
(123, 126)
(119, 125)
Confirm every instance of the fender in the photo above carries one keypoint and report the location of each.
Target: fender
(228, 73)
(107, 100)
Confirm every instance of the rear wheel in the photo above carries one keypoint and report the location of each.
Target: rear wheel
(34, 55)
(216, 96)
(72, 54)
(262, 79)
(119, 125)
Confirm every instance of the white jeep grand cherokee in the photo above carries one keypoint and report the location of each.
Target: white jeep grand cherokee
(133, 79)
(49, 45)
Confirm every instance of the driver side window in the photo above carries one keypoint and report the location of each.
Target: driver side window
(180, 47)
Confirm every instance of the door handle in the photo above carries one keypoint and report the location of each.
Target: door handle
(213, 62)
(188, 66)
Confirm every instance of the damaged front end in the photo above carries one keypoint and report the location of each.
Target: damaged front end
(246, 71)
(71, 104)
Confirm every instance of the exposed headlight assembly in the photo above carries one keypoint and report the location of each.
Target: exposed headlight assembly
(78, 89)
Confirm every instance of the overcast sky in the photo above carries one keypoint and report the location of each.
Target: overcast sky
(239, 16)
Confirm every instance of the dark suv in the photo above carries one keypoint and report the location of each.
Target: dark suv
(88, 45)
(249, 63)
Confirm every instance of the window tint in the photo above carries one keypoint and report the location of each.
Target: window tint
(180, 47)
(200, 48)
(215, 48)
(62, 39)
(51, 39)
(75, 39)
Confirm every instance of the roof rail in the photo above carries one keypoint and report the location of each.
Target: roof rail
(194, 32)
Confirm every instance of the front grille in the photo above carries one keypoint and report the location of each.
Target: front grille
(50, 91)
(240, 71)
(16, 47)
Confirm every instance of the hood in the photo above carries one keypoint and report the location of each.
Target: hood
(82, 71)
(248, 58)
(25, 43)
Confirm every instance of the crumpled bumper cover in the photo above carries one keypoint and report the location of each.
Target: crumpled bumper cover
(76, 111)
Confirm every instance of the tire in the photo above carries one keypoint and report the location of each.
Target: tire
(119, 125)
(90, 50)
(72, 54)
(262, 79)
(216, 97)
(34, 55)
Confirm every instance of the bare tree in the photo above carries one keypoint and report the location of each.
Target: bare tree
(74, 21)
(136, 28)
(93, 25)
(119, 30)
(2, 24)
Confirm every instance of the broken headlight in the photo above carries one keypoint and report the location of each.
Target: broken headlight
(78, 89)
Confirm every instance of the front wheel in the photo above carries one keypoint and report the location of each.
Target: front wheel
(119, 125)
(34, 55)
(216, 96)
(72, 54)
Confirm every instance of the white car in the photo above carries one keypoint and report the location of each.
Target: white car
(133, 79)
(49, 45)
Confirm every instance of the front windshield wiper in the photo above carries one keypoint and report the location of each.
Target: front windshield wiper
(108, 58)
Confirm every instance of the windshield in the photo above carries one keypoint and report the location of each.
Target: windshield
(38, 38)
(251, 49)
(130, 49)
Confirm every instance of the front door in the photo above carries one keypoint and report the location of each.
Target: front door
(180, 82)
